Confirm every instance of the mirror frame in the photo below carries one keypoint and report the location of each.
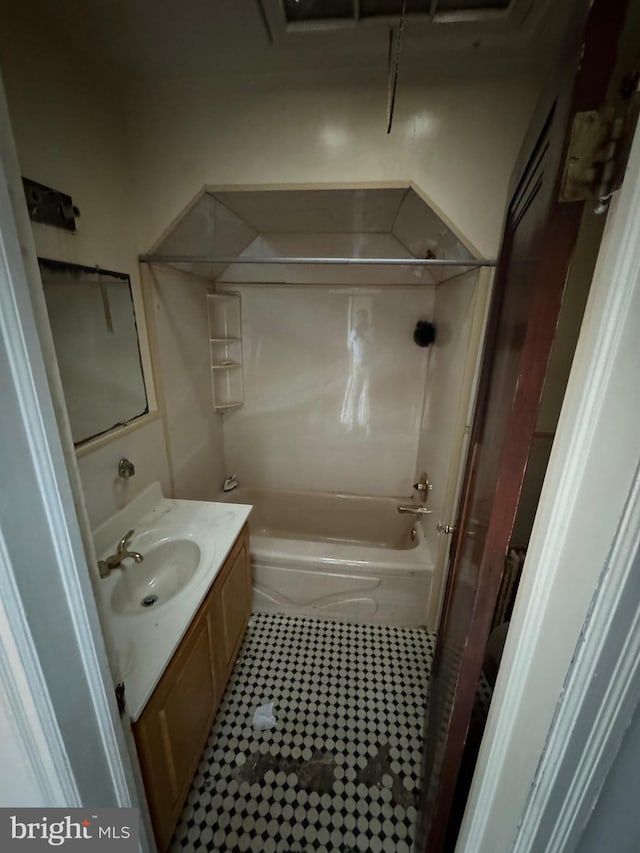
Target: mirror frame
(56, 266)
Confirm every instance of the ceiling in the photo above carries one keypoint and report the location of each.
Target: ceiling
(386, 222)
(136, 42)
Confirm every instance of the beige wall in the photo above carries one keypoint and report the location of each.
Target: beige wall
(104, 491)
(132, 160)
(181, 348)
(457, 139)
(68, 130)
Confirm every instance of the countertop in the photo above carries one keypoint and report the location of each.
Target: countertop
(144, 643)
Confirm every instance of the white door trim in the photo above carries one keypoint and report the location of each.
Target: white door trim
(19, 336)
(27, 700)
(567, 575)
(602, 694)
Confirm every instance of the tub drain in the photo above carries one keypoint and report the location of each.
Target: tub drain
(149, 600)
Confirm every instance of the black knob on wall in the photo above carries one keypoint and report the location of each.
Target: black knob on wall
(424, 333)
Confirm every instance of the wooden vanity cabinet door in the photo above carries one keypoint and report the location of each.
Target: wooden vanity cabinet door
(233, 591)
(173, 729)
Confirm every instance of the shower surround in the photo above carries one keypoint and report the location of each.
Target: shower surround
(334, 388)
(338, 399)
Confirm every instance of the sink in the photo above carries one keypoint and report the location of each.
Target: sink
(167, 568)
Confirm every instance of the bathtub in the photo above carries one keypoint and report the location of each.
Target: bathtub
(345, 557)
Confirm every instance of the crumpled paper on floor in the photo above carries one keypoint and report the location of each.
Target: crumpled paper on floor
(263, 718)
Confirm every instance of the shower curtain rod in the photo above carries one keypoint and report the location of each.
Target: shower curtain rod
(399, 262)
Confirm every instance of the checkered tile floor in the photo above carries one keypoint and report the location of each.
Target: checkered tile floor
(339, 772)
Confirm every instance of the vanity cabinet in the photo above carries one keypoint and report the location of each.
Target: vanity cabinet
(175, 724)
(234, 602)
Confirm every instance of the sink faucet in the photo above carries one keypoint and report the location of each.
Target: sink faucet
(105, 567)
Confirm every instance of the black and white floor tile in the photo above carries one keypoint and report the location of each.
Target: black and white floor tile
(339, 772)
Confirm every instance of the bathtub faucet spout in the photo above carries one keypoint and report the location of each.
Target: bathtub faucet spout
(414, 510)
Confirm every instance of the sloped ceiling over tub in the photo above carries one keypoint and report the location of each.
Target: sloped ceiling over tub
(312, 223)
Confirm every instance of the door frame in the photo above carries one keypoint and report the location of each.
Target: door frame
(55, 676)
(463, 423)
(504, 774)
(568, 613)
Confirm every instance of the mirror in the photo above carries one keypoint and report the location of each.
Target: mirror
(96, 340)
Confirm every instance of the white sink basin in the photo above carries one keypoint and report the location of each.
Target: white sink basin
(167, 568)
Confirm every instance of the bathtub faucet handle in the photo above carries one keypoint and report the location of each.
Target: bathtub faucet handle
(423, 486)
(411, 509)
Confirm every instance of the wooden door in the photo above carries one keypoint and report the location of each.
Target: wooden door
(539, 237)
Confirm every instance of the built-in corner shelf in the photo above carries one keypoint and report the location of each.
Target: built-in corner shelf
(225, 344)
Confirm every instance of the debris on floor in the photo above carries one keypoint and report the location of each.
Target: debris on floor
(263, 718)
(339, 771)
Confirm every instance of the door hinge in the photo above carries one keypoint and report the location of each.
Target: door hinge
(120, 699)
(599, 147)
(441, 527)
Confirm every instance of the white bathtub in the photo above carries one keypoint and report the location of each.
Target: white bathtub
(343, 557)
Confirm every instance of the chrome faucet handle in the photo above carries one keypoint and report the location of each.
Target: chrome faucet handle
(414, 510)
(123, 549)
(423, 487)
(423, 484)
(124, 542)
(122, 553)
